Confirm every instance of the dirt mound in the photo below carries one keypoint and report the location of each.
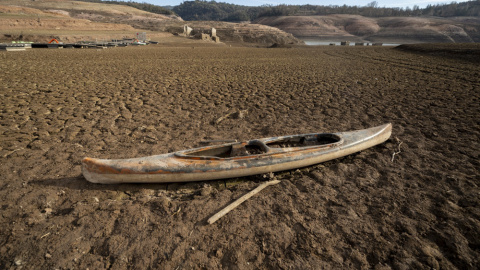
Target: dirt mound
(361, 26)
(301, 26)
(425, 30)
(259, 34)
(391, 29)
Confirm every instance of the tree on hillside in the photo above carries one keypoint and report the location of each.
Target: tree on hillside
(208, 11)
(238, 16)
(373, 4)
(280, 10)
(218, 11)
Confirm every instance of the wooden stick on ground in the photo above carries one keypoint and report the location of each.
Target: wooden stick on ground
(399, 150)
(223, 118)
(240, 200)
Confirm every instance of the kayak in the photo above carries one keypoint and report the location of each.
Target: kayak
(234, 159)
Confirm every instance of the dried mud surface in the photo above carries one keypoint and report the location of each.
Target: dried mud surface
(419, 211)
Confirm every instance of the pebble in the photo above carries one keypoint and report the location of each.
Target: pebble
(48, 256)
(207, 190)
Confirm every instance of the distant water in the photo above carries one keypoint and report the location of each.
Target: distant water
(315, 42)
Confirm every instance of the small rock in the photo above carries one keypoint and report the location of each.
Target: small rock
(432, 262)
(18, 262)
(352, 213)
(48, 256)
(240, 114)
(380, 266)
(164, 202)
(206, 190)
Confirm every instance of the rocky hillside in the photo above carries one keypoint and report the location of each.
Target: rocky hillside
(387, 29)
(70, 21)
(92, 11)
(26, 19)
(237, 32)
(22, 18)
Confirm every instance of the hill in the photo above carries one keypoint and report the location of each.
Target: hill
(218, 11)
(89, 19)
(454, 22)
(384, 29)
(71, 20)
(76, 20)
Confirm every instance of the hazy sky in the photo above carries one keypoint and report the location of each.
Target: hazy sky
(381, 3)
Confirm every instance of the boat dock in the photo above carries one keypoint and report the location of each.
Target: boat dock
(15, 46)
(79, 45)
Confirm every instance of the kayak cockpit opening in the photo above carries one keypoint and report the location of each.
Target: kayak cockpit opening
(303, 141)
(233, 150)
(256, 147)
(220, 152)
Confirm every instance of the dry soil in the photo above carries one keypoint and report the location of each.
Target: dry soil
(416, 209)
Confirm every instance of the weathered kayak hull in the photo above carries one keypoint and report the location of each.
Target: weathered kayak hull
(209, 163)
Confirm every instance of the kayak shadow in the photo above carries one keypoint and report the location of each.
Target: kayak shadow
(80, 183)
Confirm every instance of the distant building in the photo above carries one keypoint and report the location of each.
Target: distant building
(187, 31)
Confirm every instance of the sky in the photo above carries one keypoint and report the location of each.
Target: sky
(381, 3)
